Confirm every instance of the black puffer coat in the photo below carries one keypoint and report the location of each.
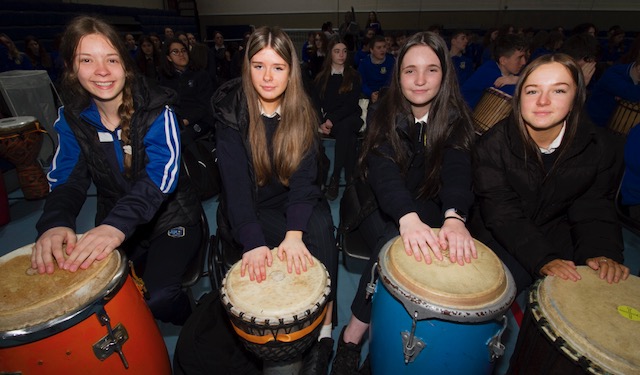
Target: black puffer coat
(537, 216)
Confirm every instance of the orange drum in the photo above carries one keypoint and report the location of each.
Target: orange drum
(494, 106)
(625, 117)
(20, 143)
(86, 322)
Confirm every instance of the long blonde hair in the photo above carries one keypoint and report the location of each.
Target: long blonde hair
(296, 132)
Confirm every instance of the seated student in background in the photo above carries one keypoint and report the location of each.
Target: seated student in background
(509, 55)
(193, 86)
(462, 63)
(630, 189)
(361, 53)
(118, 133)
(148, 59)
(337, 88)
(375, 70)
(15, 60)
(621, 81)
(416, 160)
(583, 48)
(268, 151)
(545, 179)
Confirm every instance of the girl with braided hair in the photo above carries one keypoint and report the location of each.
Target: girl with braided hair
(120, 134)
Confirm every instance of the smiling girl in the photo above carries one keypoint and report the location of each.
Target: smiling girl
(416, 160)
(118, 133)
(545, 179)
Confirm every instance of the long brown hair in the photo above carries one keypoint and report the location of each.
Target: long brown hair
(76, 97)
(349, 75)
(296, 132)
(449, 117)
(573, 119)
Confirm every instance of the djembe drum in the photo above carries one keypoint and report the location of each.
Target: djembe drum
(583, 327)
(280, 317)
(92, 321)
(20, 143)
(440, 318)
(494, 106)
(625, 117)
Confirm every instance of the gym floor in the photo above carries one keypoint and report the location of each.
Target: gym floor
(20, 231)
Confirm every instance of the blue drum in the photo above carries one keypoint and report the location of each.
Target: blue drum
(441, 318)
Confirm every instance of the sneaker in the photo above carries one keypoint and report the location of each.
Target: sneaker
(347, 357)
(332, 189)
(317, 360)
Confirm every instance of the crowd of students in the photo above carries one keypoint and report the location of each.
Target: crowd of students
(537, 188)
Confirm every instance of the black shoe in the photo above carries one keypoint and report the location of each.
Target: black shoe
(332, 189)
(347, 357)
(317, 360)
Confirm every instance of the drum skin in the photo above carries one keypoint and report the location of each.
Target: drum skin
(459, 310)
(70, 351)
(588, 326)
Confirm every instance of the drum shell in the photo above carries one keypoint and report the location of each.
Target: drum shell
(494, 106)
(451, 348)
(625, 116)
(71, 350)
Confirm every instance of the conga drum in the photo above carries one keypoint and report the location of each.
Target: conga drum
(494, 106)
(625, 117)
(20, 143)
(583, 327)
(441, 318)
(92, 321)
(279, 318)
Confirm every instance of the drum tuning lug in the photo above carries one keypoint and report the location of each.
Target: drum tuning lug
(371, 285)
(495, 345)
(411, 345)
(112, 341)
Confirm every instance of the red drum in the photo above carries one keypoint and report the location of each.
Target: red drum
(493, 107)
(20, 143)
(86, 322)
(625, 117)
(583, 327)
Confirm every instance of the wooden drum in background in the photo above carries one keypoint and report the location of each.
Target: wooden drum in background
(92, 321)
(588, 326)
(20, 143)
(625, 117)
(493, 107)
(279, 318)
(438, 318)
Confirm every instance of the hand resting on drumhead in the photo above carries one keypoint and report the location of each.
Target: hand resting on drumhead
(456, 237)
(610, 270)
(292, 248)
(94, 245)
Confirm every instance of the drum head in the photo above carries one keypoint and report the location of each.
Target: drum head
(598, 320)
(28, 299)
(12, 125)
(282, 295)
(474, 285)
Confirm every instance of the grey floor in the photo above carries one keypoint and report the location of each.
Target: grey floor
(24, 214)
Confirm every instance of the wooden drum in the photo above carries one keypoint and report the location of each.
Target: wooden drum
(625, 117)
(92, 321)
(493, 107)
(588, 326)
(20, 143)
(279, 318)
